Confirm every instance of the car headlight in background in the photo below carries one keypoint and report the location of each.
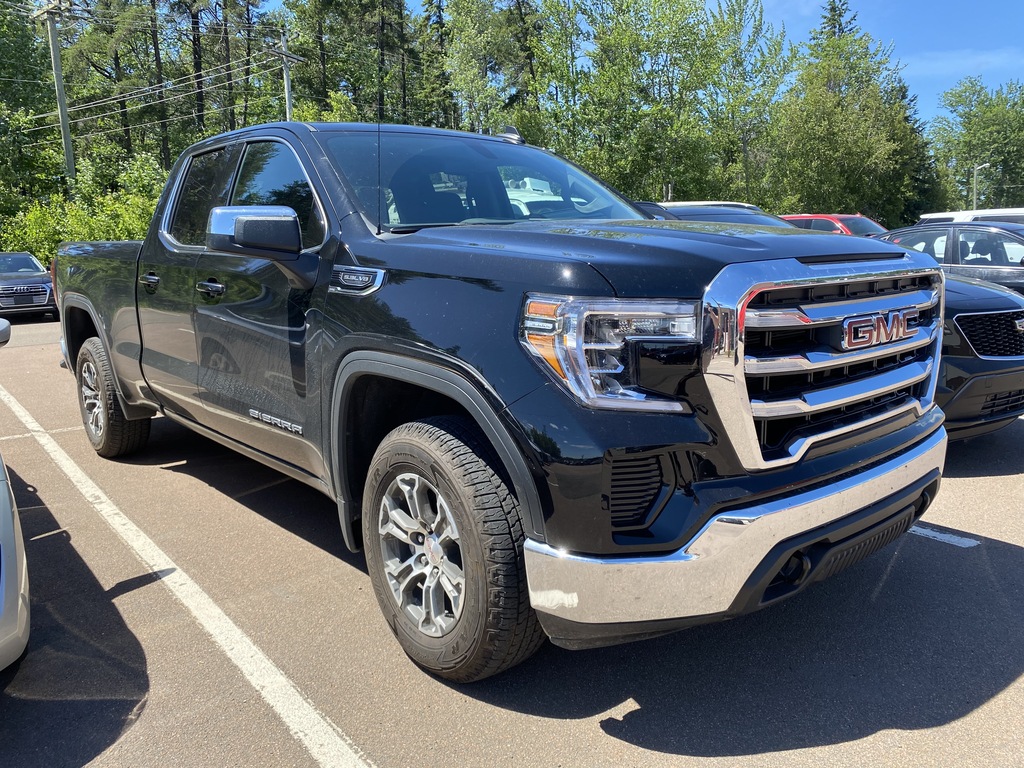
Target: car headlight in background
(590, 346)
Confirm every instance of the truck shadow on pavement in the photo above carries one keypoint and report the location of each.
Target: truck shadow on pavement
(82, 681)
(996, 454)
(917, 636)
(287, 503)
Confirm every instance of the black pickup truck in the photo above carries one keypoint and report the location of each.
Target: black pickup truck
(540, 411)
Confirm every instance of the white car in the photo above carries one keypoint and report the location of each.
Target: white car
(1013, 215)
(14, 608)
(720, 203)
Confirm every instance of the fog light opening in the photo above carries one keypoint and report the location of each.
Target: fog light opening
(794, 571)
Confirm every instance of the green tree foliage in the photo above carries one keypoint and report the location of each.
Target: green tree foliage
(845, 138)
(92, 212)
(754, 61)
(25, 75)
(983, 126)
(677, 98)
(640, 100)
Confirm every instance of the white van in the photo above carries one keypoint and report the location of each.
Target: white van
(1015, 215)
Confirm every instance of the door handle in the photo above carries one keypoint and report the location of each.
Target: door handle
(150, 281)
(211, 288)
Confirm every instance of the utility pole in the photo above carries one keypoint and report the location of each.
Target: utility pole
(287, 59)
(52, 13)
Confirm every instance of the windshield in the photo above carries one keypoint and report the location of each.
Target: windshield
(11, 263)
(860, 225)
(435, 180)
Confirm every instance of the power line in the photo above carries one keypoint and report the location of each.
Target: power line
(23, 80)
(18, 8)
(51, 142)
(166, 85)
(174, 97)
(109, 16)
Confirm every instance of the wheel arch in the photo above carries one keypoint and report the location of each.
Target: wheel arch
(436, 390)
(79, 322)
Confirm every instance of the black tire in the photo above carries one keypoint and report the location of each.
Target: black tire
(464, 634)
(109, 431)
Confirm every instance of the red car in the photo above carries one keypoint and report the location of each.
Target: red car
(840, 223)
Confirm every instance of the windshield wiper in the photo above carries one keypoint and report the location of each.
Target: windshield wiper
(405, 229)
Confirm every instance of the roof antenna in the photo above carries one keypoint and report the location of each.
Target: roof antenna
(380, 183)
(380, 112)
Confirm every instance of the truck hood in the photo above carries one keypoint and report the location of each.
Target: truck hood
(646, 259)
(965, 294)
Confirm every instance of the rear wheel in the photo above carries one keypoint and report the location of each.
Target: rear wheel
(444, 549)
(109, 431)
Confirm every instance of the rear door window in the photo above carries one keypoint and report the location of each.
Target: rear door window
(1013, 218)
(933, 243)
(206, 185)
(824, 225)
(986, 248)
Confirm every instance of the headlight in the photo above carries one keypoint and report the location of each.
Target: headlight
(586, 344)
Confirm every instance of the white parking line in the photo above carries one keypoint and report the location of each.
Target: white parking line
(946, 538)
(324, 741)
(52, 432)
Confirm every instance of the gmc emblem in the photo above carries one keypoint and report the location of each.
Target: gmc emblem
(863, 332)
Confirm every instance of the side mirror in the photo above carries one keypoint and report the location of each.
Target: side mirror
(267, 231)
(5, 331)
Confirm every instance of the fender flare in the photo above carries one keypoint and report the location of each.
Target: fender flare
(77, 301)
(450, 384)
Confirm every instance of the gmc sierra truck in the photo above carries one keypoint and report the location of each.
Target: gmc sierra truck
(540, 411)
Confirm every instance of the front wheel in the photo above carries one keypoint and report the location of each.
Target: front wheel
(444, 549)
(109, 431)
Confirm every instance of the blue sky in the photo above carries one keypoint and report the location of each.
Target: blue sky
(939, 42)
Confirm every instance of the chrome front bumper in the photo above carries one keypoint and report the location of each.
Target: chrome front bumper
(707, 575)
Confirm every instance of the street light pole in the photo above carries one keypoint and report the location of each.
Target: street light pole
(975, 196)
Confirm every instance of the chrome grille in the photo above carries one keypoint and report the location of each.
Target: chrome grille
(994, 334)
(23, 295)
(783, 376)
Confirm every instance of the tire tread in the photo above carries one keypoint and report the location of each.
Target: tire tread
(511, 628)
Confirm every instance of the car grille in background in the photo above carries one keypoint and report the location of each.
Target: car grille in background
(1003, 402)
(23, 295)
(993, 334)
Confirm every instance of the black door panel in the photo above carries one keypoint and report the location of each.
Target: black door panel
(251, 321)
(166, 287)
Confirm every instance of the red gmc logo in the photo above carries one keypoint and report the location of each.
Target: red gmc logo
(863, 332)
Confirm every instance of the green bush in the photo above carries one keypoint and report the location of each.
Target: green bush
(93, 213)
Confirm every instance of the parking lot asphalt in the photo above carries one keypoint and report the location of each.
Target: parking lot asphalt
(193, 608)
